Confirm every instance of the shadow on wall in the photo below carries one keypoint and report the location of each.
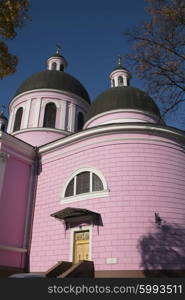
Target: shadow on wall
(163, 252)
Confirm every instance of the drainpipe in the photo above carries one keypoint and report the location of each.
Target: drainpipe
(30, 208)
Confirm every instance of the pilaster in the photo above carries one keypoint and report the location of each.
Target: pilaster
(3, 160)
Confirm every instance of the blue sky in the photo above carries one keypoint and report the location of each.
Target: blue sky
(91, 36)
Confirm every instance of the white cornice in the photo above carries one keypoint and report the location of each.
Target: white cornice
(85, 197)
(143, 128)
(41, 129)
(17, 144)
(121, 111)
(124, 71)
(68, 94)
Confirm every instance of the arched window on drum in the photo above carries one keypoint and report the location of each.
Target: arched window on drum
(50, 115)
(18, 119)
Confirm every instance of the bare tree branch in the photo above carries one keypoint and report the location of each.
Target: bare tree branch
(157, 55)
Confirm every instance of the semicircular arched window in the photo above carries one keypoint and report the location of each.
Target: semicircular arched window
(18, 119)
(50, 115)
(85, 183)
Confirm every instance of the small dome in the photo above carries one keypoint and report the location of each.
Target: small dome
(124, 97)
(120, 68)
(51, 79)
(57, 54)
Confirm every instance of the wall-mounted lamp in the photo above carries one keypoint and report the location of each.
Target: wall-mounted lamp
(158, 219)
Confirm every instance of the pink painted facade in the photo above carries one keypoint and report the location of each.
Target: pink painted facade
(16, 162)
(138, 160)
(141, 180)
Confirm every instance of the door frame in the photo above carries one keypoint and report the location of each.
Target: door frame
(78, 229)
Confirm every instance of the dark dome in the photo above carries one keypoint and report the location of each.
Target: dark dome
(120, 68)
(124, 97)
(56, 55)
(51, 79)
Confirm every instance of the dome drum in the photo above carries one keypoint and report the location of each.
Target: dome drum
(120, 116)
(35, 104)
(124, 99)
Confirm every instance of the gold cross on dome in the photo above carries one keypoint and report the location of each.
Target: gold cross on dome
(59, 48)
(120, 58)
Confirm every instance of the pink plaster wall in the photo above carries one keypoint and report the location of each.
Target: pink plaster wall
(108, 117)
(13, 204)
(143, 177)
(39, 137)
(12, 259)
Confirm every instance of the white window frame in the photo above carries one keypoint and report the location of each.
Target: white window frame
(84, 196)
(43, 104)
(14, 117)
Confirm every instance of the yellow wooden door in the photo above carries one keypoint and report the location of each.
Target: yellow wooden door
(81, 246)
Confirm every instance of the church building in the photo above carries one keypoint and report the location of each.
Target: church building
(102, 181)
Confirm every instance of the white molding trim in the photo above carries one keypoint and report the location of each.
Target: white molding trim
(37, 111)
(108, 141)
(84, 196)
(77, 229)
(20, 157)
(25, 116)
(119, 71)
(12, 248)
(86, 169)
(9, 127)
(62, 113)
(41, 129)
(72, 117)
(115, 111)
(46, 100)
(68, 94)
(21, 105)
(113, 121)
(17, 144)
(143, 128)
